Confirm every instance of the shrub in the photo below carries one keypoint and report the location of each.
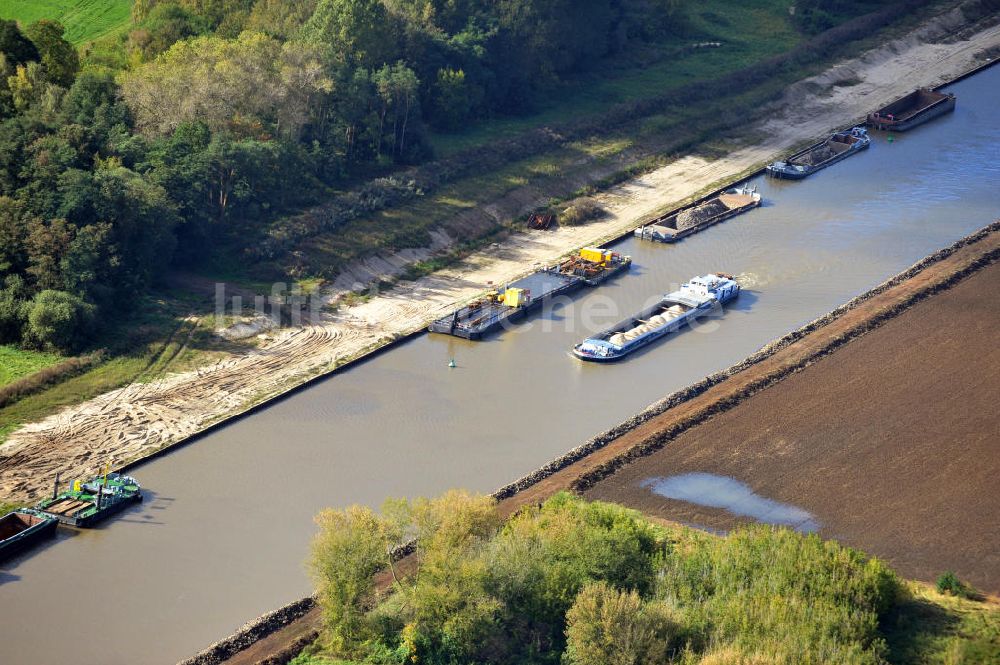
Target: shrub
(949, 583)
(580, 212)
(59, 320)
(606, 626)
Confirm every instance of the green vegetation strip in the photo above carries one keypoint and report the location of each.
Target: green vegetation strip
(590, 583)
(16, 363)
(84, 20)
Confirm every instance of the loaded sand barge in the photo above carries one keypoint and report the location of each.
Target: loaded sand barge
(507, 305)
(911, 110)
(839, 146)
(696, 298)
(680, 223)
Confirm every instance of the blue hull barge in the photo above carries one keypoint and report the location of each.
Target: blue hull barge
(839, 146)
(680, 223)
(23, 528)
(513, 302)
(700, 296)
(85, 504)
(914, 109)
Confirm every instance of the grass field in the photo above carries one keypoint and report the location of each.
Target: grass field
(16, 363)
(930, 628)
(159, 339)
(84, 20)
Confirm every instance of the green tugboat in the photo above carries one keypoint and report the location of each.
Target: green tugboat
(85, 504)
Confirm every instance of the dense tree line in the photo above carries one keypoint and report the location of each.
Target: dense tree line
(208, 116)
(582, 583)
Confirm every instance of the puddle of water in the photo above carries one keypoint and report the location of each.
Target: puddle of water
(710, 490)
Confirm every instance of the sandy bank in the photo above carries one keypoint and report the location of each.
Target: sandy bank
(138, 420)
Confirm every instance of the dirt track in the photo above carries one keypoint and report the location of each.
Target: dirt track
(138, 420)
(892, 442)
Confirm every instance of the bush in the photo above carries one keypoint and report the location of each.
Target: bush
(580, 212)
(949, 583)
(59, 320)
(13, 309)
(610, 627)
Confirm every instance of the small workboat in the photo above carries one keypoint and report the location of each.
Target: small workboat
(85, 504)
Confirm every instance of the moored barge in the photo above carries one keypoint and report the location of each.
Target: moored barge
(85, 504)
(511, 303)
(911, 110)
(839, 146)
(594, 265)
(23, 528)
(680, 223)
(696, 298)
(505, 305)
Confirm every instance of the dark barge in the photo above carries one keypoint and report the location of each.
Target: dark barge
(911, 110)
(511, 303)
(680, 223)
(23, 528)
(840, 145)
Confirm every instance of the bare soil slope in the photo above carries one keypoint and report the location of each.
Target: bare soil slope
(891, 442)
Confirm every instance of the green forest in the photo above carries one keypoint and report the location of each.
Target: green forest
(189, 131)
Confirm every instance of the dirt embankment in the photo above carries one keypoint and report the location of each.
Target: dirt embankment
(138, 420)
(593, 465)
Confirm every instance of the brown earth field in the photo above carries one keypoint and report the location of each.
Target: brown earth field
(904, 509)
(892, 442)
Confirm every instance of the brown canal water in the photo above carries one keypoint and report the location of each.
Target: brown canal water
(225, 528)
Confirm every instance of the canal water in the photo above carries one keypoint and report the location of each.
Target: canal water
(224, 532)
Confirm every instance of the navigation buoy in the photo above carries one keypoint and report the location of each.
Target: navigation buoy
(451, 363)
(890, 139)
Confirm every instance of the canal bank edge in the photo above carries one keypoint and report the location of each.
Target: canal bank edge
(305, 609)
(389, 342)
(188, 428)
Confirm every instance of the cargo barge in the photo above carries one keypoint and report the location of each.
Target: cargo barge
(839, 146)
(513, 302)
(23, 528)
(595, 266)
(680, 223)
(696, 298)
(85, 504)
(911, 110)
